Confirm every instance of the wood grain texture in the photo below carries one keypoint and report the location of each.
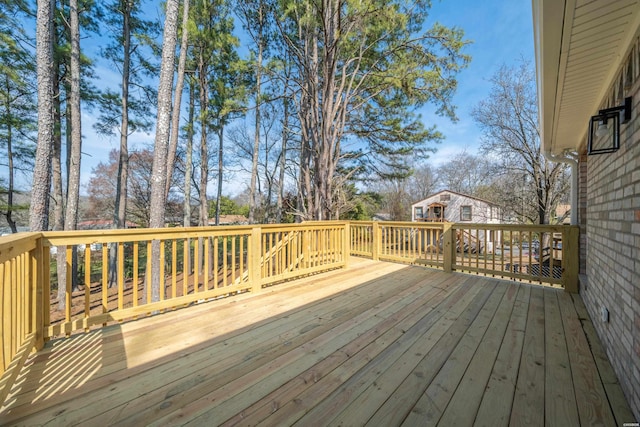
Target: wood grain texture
(376, 343)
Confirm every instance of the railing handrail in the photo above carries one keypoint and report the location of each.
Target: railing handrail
(17, 243)
(558, 228)
(72, 237)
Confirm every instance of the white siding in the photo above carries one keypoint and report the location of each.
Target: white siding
(481, 211)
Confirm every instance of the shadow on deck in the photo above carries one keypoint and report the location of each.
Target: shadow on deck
(377, 343)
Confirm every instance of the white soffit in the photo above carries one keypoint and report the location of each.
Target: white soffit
(580, 45)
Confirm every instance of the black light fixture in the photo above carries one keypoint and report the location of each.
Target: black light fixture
(604, 128)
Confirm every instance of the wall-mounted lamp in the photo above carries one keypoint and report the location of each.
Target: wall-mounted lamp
(604, 128)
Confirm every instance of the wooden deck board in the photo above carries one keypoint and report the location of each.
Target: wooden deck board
(495, 408)
(473, 384)
(619, 406)
(593, 405)
(560, 404)
(350, 357)
(528, 401)
(376, 343)
(285, 367)
(315, 405)
(403, 398)
(409, 363)
(435, 399)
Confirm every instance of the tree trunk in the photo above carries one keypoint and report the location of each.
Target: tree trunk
(188, 175)
(39, 209)
(159, 172)
(254, 197)
(123, 160)
(283, 153)
(119, 214)
(541, 201)
(175, 120)
(9, 138)
(203, 214)
(220, 158)
(59, 197)
(308, 83)
(73, 176)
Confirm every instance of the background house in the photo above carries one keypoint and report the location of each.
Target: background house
(449, 206)
(588, 60)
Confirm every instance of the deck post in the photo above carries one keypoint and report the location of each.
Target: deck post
(37, 281)
(305, 248)
(254, 259)
(376, 241)
(346, 243)
(570, 258)
(448, 246)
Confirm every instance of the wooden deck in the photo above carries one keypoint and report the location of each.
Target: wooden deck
(378, 343)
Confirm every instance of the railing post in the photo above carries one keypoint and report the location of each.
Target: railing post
(305, 248)
(376, 240)
(570, 258)
(37, 289)
(255, 274)
(346, 243)
(448, 246)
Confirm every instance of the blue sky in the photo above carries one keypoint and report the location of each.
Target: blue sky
(502, 33)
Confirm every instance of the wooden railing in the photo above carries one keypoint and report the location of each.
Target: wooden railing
(108, 272)
(412, 242)
(108, 275)
(197, 264)
(20, 297)
(531, 253)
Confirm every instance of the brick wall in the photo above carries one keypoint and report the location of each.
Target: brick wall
(610, 249)
(582, 209)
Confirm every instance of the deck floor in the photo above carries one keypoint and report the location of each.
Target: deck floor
(379, 344)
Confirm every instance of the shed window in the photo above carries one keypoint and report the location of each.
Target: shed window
(418, 212)
(465, 213)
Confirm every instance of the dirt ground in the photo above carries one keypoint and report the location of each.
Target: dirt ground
(96, 303)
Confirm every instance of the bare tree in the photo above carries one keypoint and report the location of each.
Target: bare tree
(255, 17)
(283, 153)
(466, 173)
(396, 198)
(188, 168)
(103, 183)
(399, 193)
(422, 183)
(271, 152)
(509, 120)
